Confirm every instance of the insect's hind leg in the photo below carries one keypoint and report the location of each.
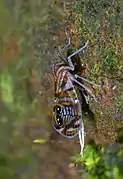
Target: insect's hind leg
(88, 81)
(76, 52)
(84, 87)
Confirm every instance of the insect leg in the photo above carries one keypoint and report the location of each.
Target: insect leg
(84, 87)
(84, 79)
(86, 98)
(69, 58)
(69, 41)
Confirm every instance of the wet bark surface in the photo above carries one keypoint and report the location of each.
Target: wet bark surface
(28, 52)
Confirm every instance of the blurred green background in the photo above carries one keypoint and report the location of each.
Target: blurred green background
(31, 32)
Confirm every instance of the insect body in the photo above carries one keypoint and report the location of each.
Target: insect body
(67, 114)
(67, 109)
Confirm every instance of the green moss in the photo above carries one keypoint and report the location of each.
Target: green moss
(100, 162)
(100, 21)
(7, 88)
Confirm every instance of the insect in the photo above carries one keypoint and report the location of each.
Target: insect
(67, 109)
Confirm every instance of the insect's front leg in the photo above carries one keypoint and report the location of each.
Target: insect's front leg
(68, 44)
(55, 67)
(71, 66)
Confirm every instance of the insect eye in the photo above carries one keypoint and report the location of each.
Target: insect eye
(57, 109)
(59, 120)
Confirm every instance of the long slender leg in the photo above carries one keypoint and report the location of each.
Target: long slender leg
(76, 52)
(55, 67)
(69, 41)
(81, 85)
(77, 76)
(86, 98)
